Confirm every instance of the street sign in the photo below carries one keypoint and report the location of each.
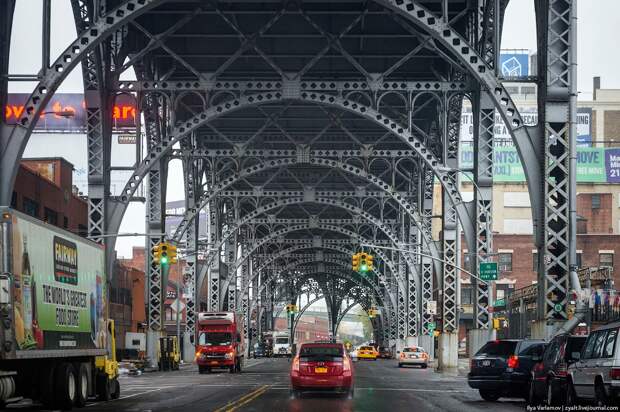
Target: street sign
(558, 307)
(431, 307)
(500, 302)
(488, 270)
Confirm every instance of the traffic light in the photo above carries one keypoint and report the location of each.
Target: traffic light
(496, 324)
(156, 253)
(364, 263)
(370, 263)
(172, 254)
(356, 262)
(164, 258)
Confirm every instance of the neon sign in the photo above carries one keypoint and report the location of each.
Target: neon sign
(123, 112)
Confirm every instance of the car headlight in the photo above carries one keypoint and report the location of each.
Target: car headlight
(229, 355)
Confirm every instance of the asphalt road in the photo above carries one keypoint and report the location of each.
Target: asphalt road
(264, 386)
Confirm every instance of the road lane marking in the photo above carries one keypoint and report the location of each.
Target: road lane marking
(250, 399)
(126, 397)
(231, 406)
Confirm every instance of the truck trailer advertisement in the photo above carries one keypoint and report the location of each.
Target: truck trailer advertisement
(58, 289)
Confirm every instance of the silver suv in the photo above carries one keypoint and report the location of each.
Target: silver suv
(596, 375)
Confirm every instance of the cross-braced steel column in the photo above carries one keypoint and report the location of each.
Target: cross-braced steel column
(155, 225)
(189, 271)
(214, 270)
(448, 341)
(557, 109)
(484, 121)
(231, 251)
(483, 114)
(425, 206)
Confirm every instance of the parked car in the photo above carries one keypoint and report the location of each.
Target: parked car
(548, 381)
(385, 353)
(596, 375)
(502, 368)
(414, 355)
(321, 366)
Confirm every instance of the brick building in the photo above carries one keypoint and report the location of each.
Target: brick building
(309, 329)
(127, 301)
(175, 278)
(44, 189)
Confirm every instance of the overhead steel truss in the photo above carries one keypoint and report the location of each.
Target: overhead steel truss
(334, 132)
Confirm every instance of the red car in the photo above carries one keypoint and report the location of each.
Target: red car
(320, 367)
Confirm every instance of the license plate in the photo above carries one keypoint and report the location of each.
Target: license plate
(413, 356)
(486, 363)
(320, 370)
(213, 362)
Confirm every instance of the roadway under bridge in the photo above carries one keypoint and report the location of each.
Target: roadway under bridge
(312, 130)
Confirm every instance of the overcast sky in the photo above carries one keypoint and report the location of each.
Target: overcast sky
(597, 35)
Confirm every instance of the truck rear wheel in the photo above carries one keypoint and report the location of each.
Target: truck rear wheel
(103, 388)
(46, 385)
(116, 388)
(82, 385)
(65, 386)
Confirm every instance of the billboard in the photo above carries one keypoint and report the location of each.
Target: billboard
(530, 118)
(174, 216)
(123, 112)
(59, 288)
(594, 164)
(514, 64)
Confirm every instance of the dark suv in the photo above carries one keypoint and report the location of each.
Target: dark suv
(549, 376)
(502, 368)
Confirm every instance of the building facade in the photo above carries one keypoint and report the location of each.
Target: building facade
(44, 190)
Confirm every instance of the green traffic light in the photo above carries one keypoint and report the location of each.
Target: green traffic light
(364, 268)
(164, 260)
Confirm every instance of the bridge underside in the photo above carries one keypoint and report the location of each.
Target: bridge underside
(310, 130)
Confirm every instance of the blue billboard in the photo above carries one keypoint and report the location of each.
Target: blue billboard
(514, 64)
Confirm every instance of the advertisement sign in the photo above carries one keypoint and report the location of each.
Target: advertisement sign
(58, 289)
(594, 164)
(612, 165)
(123, 112)
(530, 118)
(174, 217)
(514, 64)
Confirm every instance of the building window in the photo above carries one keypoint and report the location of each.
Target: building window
(534, 262)
(31, 207)
(168, 313)
(505, 262)
(596, 201)
(579, 260)
(14, 200)
(467, 262)
(467, 297)
(606, 259)
(500, 294)
(65, 222)
(82, 230)
(50, 216)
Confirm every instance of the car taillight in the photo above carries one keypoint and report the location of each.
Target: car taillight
(402, 355)
(561, 369)
(296, 364)
(614, 373)
(424, 355)
(513, 362)
(346, 365)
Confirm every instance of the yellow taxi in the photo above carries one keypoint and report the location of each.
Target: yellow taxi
(367, 352)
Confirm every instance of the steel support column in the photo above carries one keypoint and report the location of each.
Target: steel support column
(448, 353)
(557, 117)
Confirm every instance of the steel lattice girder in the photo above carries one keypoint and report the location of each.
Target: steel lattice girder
(410, 10)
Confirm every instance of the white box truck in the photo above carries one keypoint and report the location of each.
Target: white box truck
(56, 341)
